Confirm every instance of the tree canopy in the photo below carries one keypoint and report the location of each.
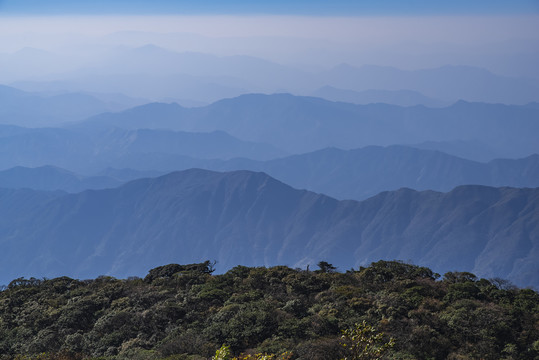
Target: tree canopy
(186, 312)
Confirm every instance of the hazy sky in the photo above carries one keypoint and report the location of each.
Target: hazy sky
(462, 29)
(500, 35)
(305, 7)
(457, 21)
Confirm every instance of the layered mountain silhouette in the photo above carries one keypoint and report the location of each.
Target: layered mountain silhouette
(51, 178)
(150, 71)
(372, 96)
(252, 219)
(362, 173)
(447, 83)
(206, 145)
(301, 124)
(467, 149)
(88, 151)
(37, 110)
(342, 174)
(272, 125)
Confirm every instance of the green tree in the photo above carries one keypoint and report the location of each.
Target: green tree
(326, 267)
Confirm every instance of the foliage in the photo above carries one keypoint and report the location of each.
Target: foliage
(185, 312)
(224, 353)
(364, 342)
(325, 267)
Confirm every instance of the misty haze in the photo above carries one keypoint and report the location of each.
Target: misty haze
(256, 180)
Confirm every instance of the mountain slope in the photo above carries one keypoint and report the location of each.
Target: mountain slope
(249, 218)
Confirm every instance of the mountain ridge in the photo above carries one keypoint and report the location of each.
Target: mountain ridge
(343, 174)
(370, 96)
(91, 150)
(205, 77)
(37, 110)
(250, 218)
(299, 124)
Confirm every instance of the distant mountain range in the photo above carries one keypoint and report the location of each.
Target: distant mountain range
(37, 110)
(88, 151)
(467, 149)
(295, 124)
(51, 178)
(447, 83)
(353, 174)
(250, 218)
(381, 163)
(372, 96)
(298, 124)
(206, 145)
(343, 174)
(362, 173)
(153, 72)
(168, 137)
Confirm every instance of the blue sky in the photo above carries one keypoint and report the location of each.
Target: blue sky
(292, 7)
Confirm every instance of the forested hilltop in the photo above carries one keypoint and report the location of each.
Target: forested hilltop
(186, 312)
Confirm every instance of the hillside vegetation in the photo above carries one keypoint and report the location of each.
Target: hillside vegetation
(186, 312)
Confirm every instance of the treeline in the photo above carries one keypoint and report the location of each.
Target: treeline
(185, 312)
